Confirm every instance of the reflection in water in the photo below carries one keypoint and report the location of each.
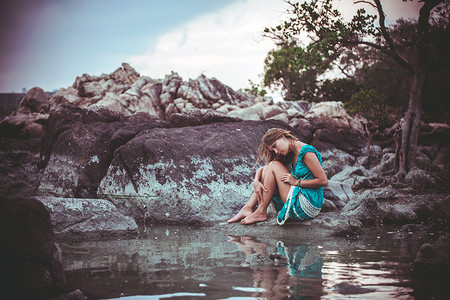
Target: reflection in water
(166, 262)
(294, 271)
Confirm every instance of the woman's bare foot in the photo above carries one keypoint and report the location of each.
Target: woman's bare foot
(244, 212)
(256, 216)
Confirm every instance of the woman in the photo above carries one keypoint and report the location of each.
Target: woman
(293, 178)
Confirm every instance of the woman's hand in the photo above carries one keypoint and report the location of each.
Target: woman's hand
(259, 189)
(288, 178)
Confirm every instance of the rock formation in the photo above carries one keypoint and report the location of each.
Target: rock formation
(117, 150)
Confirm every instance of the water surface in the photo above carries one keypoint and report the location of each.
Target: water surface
(201, 263)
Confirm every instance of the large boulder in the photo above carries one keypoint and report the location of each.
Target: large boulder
(199, 174)
(332, 115)
(79, 146)
(30, 258)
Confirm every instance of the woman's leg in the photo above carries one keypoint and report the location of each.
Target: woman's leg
(271, 180)
(246, 210)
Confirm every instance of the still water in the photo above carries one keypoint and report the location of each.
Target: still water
(201, 263)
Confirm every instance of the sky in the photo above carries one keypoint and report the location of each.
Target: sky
(48, 43)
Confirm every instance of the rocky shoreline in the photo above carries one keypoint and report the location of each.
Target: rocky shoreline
(120, 151)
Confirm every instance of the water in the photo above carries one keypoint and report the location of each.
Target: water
(202, 263)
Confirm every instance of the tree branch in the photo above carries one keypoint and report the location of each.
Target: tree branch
(366, 2)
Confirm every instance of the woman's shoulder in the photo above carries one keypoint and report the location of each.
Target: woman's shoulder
(308, 148)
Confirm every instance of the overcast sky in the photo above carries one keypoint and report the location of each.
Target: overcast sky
(47, 43)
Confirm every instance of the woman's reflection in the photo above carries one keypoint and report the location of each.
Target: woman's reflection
(290, 272)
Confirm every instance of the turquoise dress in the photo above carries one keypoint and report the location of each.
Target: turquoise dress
(302, 203)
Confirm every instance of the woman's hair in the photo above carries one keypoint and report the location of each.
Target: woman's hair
(267, 140)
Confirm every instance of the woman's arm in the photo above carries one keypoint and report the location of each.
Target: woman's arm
(320, 180)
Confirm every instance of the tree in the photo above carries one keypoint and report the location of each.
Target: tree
(288, 67)
(329, 32)
(374, 108)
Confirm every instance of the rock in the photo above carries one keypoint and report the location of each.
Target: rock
(387, 193)
(339, 224)
(351, 176)
(164, 176)
(345, 288)
(400, 213)
(250, 113)
(280, 117)
(331, 115)
(348, 141)
(30, 258)
(79, 146)
(20, 173)
(35, 101)
(364, 207)
(304, 127)
(334, 161)
(420, 179)
(271, 111)
(94, 216)
(339, 192)
(196, 117)
(432, 258)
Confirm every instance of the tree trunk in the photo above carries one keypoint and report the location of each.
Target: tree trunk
(411, 123)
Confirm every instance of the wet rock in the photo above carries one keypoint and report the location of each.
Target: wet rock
(30, 258)
(346, 288)
(96, 216)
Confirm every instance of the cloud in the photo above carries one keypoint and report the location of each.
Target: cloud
(226, 44)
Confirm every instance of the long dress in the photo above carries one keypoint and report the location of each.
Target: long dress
(302, 203)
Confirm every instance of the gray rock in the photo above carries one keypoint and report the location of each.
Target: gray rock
(364, 207)
(70, 215)
(400, 213)
(387, 193)
(420, 179)
(351, 176)
(339, 192)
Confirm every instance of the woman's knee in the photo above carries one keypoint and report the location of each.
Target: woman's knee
(275, 165)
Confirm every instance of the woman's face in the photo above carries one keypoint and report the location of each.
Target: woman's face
(280, 146)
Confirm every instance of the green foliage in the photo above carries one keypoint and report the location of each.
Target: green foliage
(371, 105)
(288, 67)
(341, 89)
(255, 89)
